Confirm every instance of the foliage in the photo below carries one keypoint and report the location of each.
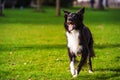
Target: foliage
(33, 45)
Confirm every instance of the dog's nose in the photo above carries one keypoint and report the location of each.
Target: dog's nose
(69, 19)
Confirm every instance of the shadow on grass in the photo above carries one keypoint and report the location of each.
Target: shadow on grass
(100, 77)
(8, 47)
(110, 69)
(102, 46)
(104, 74)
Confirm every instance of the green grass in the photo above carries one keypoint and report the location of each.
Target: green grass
(33, 45)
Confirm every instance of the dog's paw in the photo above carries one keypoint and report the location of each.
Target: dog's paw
(75, 74)
(90, 71)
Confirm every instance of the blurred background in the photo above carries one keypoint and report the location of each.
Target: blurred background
(33, 41)
(37, 4)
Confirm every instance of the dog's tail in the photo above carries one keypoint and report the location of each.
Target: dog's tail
(91, 50)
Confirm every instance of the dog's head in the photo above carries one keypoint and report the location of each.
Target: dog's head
(73, 20)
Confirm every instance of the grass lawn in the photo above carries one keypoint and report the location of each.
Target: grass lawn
(33, 45)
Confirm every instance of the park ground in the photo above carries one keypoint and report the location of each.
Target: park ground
(33, 45)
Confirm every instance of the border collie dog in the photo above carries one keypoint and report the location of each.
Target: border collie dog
(80, 41)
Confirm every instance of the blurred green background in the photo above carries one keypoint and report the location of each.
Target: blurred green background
(33, 42)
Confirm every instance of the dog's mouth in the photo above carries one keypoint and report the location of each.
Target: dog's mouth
(70, 25)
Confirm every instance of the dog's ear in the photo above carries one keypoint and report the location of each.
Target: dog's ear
(66, 12)
(81, 11)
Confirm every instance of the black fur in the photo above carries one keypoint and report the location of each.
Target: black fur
(85, 38)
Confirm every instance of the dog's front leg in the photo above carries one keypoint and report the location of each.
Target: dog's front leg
(72, 60)
(72, 68)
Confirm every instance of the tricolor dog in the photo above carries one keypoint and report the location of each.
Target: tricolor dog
(79, 40)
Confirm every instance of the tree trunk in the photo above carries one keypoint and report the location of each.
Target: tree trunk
(38, 7)
(58, 7)
(13, 4)
(92, 3)
(106, 3)
(100, 5)
(1, 10)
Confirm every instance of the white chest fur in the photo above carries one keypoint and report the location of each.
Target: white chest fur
(73, 41)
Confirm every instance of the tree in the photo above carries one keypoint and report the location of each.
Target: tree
(92, 3)
(38, 7)
(1, 9)
(14, 3)
(100, 5)
(106, 3)
(58, 7)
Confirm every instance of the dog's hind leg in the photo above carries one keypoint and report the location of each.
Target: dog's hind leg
(90, 64)
(90, 55)
(82, 61)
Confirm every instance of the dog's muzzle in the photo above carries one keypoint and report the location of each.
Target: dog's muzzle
(70, 25)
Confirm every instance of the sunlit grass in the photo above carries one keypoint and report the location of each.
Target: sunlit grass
(33, 45)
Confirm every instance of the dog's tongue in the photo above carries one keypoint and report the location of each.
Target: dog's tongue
(70, 27)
